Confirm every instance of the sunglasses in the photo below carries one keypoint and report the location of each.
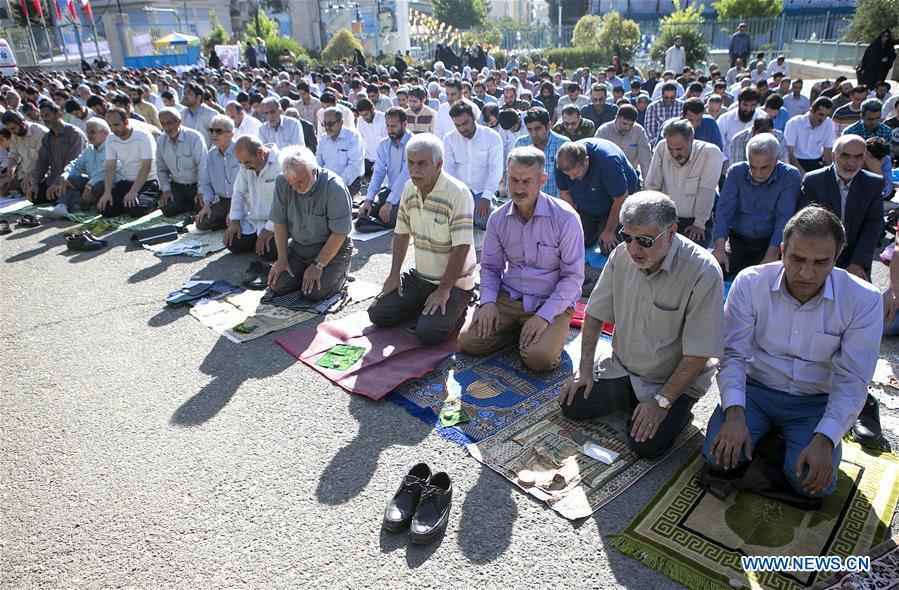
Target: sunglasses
(216, 131)
(642, 241)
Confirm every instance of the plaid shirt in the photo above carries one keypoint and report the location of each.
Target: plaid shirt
(858, 128)
(553, 142)
(656, 114)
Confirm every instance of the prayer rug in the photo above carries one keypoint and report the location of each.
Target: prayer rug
(11, 204)
(595, 258)
(97, 224)
(358, 236)
(883, 575)
(355, 291)
(547, 446)
(241, 317)
(494, 391)
(393, 355)
(697, 540)
(19, 208)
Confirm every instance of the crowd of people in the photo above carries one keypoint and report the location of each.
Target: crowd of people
(682, 179)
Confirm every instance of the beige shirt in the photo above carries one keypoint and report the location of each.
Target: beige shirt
(634, 144)
(24, 149)
(677, 311)
(691, 186)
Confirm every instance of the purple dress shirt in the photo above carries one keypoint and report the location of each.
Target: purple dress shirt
(540, 261)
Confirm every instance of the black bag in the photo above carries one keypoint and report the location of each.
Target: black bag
(156, 235)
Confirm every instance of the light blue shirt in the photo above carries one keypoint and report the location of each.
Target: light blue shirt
(553, 142)
(390, 166)
(218, 173)
(796, 106)
(343, 156)
(92, 163)
(289, 133)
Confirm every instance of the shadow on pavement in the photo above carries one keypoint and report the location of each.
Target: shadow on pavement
(487, 517)
(351, 469)
(416, 555)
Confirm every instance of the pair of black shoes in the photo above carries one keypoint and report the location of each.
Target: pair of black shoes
(867, 430)
(421, 504)
(257, 276)
(84, 242)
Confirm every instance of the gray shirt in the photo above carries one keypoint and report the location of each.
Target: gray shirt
(676, 311)
(179, 160)
(311, 217)
(57, 151)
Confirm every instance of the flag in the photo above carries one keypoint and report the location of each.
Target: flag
(58, 13)
(70, 4)
(38, 9)
(25, 9)
(86, 7)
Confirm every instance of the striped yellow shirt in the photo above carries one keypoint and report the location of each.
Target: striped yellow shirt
(438, 223)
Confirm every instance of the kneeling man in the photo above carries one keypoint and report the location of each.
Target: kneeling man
(802, 342)
(312, 215)
(437, 210)
(663, 292)
(532, 269)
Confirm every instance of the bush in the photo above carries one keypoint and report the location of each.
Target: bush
(741, 9)
(340, 46)
(217, 36)
(618, 36)
(585, 31)
(501, 57)
(870, 18)
(576, 57)
(683, 22)
(275, 45)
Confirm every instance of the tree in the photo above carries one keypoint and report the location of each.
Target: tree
(737, 9)
(461, 14)
(266, 29)
(870, 18)
(585, 31)
(487, 35)
(340, 46)
(684, 22)
(619, 36)
(217, 36)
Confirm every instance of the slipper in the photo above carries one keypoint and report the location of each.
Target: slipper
(4, 227)
(28, 221)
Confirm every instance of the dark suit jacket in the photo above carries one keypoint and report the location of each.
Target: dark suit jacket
(309, 135)
(864, 211)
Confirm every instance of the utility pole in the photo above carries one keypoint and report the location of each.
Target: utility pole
(560, 21)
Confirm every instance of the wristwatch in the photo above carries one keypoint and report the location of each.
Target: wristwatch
(663, 401)
(318, 264)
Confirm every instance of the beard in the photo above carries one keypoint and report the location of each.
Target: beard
(745, 117)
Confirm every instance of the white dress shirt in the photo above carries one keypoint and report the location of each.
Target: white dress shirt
(477, 162)
(372, 134)
(248, 126)
(808, 143)
(730, 124)
(444, 122)
(251, 202)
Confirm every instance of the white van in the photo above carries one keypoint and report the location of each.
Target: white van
(8, 65)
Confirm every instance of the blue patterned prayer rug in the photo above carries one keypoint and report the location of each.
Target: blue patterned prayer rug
(495, 390)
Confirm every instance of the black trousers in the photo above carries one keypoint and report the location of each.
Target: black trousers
(217, 218)
(333, 276)
(392, 310)
(593, 226)
(810, 165)
(146, 199)
(614, 395)
(71, 197)
(247, 243)
(372, 219)
(684, 222)
(745, 252)
(182, 200)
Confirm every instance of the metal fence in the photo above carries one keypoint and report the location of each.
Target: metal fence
(831, 52)
(55, 46)
(772, 34)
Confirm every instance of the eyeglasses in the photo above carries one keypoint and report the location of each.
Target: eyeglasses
(216, 131)
(642, 241)
(329, 123)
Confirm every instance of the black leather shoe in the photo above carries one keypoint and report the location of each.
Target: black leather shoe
(258, 281)
(402, 506)
(433, 509)
(867, 430)
(82, 244)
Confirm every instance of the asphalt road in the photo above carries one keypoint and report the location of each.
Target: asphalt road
(140, 450)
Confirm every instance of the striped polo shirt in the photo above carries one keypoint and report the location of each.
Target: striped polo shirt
(423, 122)
(438, 223)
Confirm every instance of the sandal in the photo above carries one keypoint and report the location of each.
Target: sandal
(28, 221)
(4, 227)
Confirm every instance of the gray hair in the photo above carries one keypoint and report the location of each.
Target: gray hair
(270, 100)
(527, 156)
(295, 157)
(338, 114)
(844, 140)
(648, 208)
(98, 123)
(679, 127)
(170, 111)
(224, 121)
(763, 144)
(872, 105)
(426, 141)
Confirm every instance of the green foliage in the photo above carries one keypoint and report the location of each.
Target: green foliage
(501, 58)
(340, 46)
(275, 45)
(575, 57)
(268, 28)
(619, 36)
(739, 9)
(488, 34)
(870, 18)
(684, 22)
(461, 14)
(218, 35)
(586, 31)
